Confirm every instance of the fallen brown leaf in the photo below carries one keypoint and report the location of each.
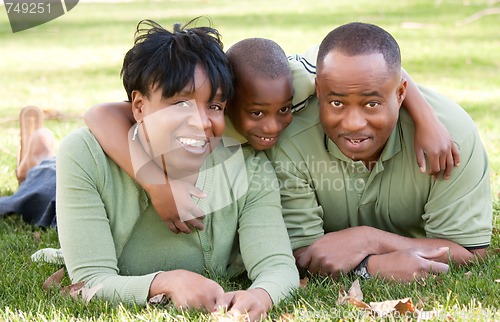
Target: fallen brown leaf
(385, 308)
(53, 280)
(303, 282)
(160, 299)
(286, 317)
(73, 289)
(354, 296)
(355, 291)
(37, 237)
(88, 293)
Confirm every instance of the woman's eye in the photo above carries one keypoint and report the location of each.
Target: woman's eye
(256, 113)
(183, 104)
(336, 103)
(216, 107)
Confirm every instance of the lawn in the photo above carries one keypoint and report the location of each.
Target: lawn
(71, 63)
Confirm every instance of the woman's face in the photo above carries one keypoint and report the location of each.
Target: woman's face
(180, 131)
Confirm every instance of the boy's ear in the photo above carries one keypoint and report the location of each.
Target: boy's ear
(138, 101)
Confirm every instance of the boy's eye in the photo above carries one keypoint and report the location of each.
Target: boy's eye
(336, 103)
(372, 104)
(256, 113)
(284, 110)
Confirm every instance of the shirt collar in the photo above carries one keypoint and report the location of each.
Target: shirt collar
(230, 132)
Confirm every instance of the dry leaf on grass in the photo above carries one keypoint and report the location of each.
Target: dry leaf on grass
(303, 282)
(468, 274)
(160, 299)
(225, 317)
(78, 290)
(286, 317)
(53, 280)
(353, 296)
(37, 237)
(388, 307)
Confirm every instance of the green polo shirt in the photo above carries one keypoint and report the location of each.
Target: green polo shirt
(323, 191)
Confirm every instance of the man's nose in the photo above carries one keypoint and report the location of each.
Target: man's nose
(353, 120)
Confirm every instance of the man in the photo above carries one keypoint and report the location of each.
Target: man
(352, 196)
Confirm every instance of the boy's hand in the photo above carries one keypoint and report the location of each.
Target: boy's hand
(175, 206)
(435, 141)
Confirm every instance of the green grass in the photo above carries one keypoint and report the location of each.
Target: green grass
(73, 62)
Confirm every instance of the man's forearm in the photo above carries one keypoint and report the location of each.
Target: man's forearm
(385, 242)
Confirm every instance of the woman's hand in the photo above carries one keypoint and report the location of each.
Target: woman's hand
(187, 289)
(253, 303)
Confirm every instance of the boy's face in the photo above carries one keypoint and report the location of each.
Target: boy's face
(261, 109)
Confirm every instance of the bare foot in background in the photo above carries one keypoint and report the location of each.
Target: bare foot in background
(40, 146)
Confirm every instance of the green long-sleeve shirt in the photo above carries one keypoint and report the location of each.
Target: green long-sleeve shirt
(110, 233)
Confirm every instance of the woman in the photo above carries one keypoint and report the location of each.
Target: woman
(178, 83)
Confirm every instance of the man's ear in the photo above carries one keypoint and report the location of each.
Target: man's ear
(138, 101)
(316, 86)
(401, 91)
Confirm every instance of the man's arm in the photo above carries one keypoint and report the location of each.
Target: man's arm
(341, 251)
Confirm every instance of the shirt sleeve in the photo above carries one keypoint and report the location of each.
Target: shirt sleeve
(264, 243)
(460, 208)
(83, 225)
(303, 69)
(302, 214)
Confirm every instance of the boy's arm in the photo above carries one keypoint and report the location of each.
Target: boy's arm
(431, 137)
(116, 118)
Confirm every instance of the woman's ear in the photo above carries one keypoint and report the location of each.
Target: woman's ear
(138, 101)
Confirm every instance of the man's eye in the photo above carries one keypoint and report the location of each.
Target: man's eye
(336, 103)
(372, 104)
(256, 113)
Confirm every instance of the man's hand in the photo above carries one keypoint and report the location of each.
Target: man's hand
(436, 142)
(336, 252)
(405, 265)
(255, 303)
(187, 289)
(174, 205)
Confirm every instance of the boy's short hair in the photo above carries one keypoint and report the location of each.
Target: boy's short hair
(258, 57)
(167, 60)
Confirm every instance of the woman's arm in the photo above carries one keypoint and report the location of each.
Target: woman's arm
(110, 123)
(264, 243)
(88, 246)
(431, 137)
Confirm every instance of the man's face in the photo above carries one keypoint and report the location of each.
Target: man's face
(261, 109)
(179, 131)
(359, 103)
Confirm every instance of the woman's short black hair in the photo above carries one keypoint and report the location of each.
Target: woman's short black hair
(167, 60)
